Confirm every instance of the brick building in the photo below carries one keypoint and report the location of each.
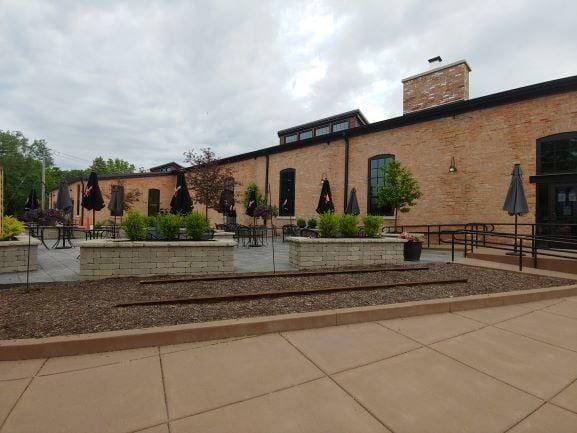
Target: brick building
(480, 139)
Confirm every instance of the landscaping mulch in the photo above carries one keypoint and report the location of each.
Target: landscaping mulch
(64, 308)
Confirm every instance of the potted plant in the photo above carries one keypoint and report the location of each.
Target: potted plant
(413, 246)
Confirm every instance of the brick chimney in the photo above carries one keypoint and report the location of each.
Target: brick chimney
(438, 86)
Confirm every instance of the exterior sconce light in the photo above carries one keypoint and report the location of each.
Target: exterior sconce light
(323, 178)
(453, 166)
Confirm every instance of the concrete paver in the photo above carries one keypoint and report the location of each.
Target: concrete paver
(342, 347)
(568, 309)
(538, 368)
(212, 376)
(425, 391)
(495, 314)
(432, 328)
(439, 373)
(318, 406)
(547, 327)
(548, 419)
(114, 398)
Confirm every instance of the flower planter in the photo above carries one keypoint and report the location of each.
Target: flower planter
(412, 251)
(308, 253)
(105, 258)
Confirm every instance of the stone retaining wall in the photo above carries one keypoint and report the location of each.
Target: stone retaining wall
(307, 253)
(104, 258)
(14, 255)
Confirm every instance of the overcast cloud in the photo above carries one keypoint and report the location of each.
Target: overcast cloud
(146, 80)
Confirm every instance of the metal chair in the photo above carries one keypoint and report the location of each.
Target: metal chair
(289, 230)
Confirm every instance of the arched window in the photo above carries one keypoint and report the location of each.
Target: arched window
(287, 192)
(153, 202)
(376, 179)
(557, 154)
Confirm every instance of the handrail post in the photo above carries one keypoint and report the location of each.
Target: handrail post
(428, 236)
(465, 245)
(521, 254)
(439, 237)
(452, 246)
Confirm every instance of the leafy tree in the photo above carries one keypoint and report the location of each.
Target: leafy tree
(400, 190)
(112, 166)
(206, 177)
(260, 199)
(131, 195)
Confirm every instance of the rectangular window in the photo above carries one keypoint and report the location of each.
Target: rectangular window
(153, 202)
(306, 134)
(290, 138)
(375, 181)
(341, 126)
(287, 192)
(323, 130)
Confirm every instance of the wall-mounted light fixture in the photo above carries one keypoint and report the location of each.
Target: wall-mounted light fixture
(453, 166)
(323, 178)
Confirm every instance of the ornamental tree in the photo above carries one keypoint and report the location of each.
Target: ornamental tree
(400, 190)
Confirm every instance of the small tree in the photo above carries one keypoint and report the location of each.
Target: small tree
(206, 177)
(131, 196)
(400, 190)
(260, 199)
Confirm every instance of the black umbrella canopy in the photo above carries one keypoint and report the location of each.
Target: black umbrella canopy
(353, 204)
(516, 202)
(250, 208)
(92, 196)
(226, 202)
(32, 201)
(63, 201)
(116, 203)
(181, 202)
(326, 199)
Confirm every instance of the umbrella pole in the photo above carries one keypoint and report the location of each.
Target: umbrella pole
(515, 233)
(93, 219)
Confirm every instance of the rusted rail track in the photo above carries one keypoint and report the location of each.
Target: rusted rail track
(282, 274)
(281, 293)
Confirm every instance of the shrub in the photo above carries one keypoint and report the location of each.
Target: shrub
(150, 221)
(135, 226)
(11, 228)
(349, 226)
(168, 225)
(301, 223)
(328, 225)
(196, 224)
(372, 225)
(312, 223)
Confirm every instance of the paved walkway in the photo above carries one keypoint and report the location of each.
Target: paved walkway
(63, 265)
(506, 369)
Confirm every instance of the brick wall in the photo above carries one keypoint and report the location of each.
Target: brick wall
(438, 86)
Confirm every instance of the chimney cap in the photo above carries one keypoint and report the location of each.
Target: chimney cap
(436, 59)
(439, 68)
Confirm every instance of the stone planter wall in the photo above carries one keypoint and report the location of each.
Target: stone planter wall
(308, 253)
(104, 258)
(14, 254)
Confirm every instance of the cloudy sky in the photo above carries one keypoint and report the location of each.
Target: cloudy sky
(146, 80)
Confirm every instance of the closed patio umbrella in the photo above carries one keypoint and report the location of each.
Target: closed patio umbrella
(326, 199)
(251, 206)
(353, 204)
(181, 202)
(92, 196)
(32, 201)
(116, 203)
(63, 200)
(516, 202)
(226, 203)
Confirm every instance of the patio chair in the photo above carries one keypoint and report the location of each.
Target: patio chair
(243, 234)
(289, 230)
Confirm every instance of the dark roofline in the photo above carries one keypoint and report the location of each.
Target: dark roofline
(167, 164)
(123, 176)
(356, 112)
(533, 91)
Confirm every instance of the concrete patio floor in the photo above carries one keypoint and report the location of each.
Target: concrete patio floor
(63, 265)
(505, 369)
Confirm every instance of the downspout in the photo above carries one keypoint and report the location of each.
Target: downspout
(345, 201)
(266, 191)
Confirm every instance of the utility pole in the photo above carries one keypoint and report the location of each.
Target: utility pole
(43, 181)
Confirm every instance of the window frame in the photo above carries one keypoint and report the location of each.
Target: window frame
(282, 196)
(328, 128)
(334, 124)
(157, 204)
(549, 139)
(305, 132)
(286, 138)
(369, 209)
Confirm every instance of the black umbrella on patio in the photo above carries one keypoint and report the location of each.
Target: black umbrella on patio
(181, 202)
(225, 202)
(353, 204)
(63, 200)
(326, 199)
(116, 203)
(516, 202)
(92, 196)
(251, 206)
(32, 201)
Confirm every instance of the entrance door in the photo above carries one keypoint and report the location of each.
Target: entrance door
(557, 205)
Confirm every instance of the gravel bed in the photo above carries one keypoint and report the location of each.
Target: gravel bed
(65, 308)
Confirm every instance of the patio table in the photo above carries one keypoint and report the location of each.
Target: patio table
(65, 234)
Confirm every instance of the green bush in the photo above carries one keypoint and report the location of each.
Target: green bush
(349, 226)
(168, 225)
(312, 223)
(11, 228)
(301, 223)
(328, 225)
(135, 226)
(196, 224)
(150, 221)
(372, 225)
